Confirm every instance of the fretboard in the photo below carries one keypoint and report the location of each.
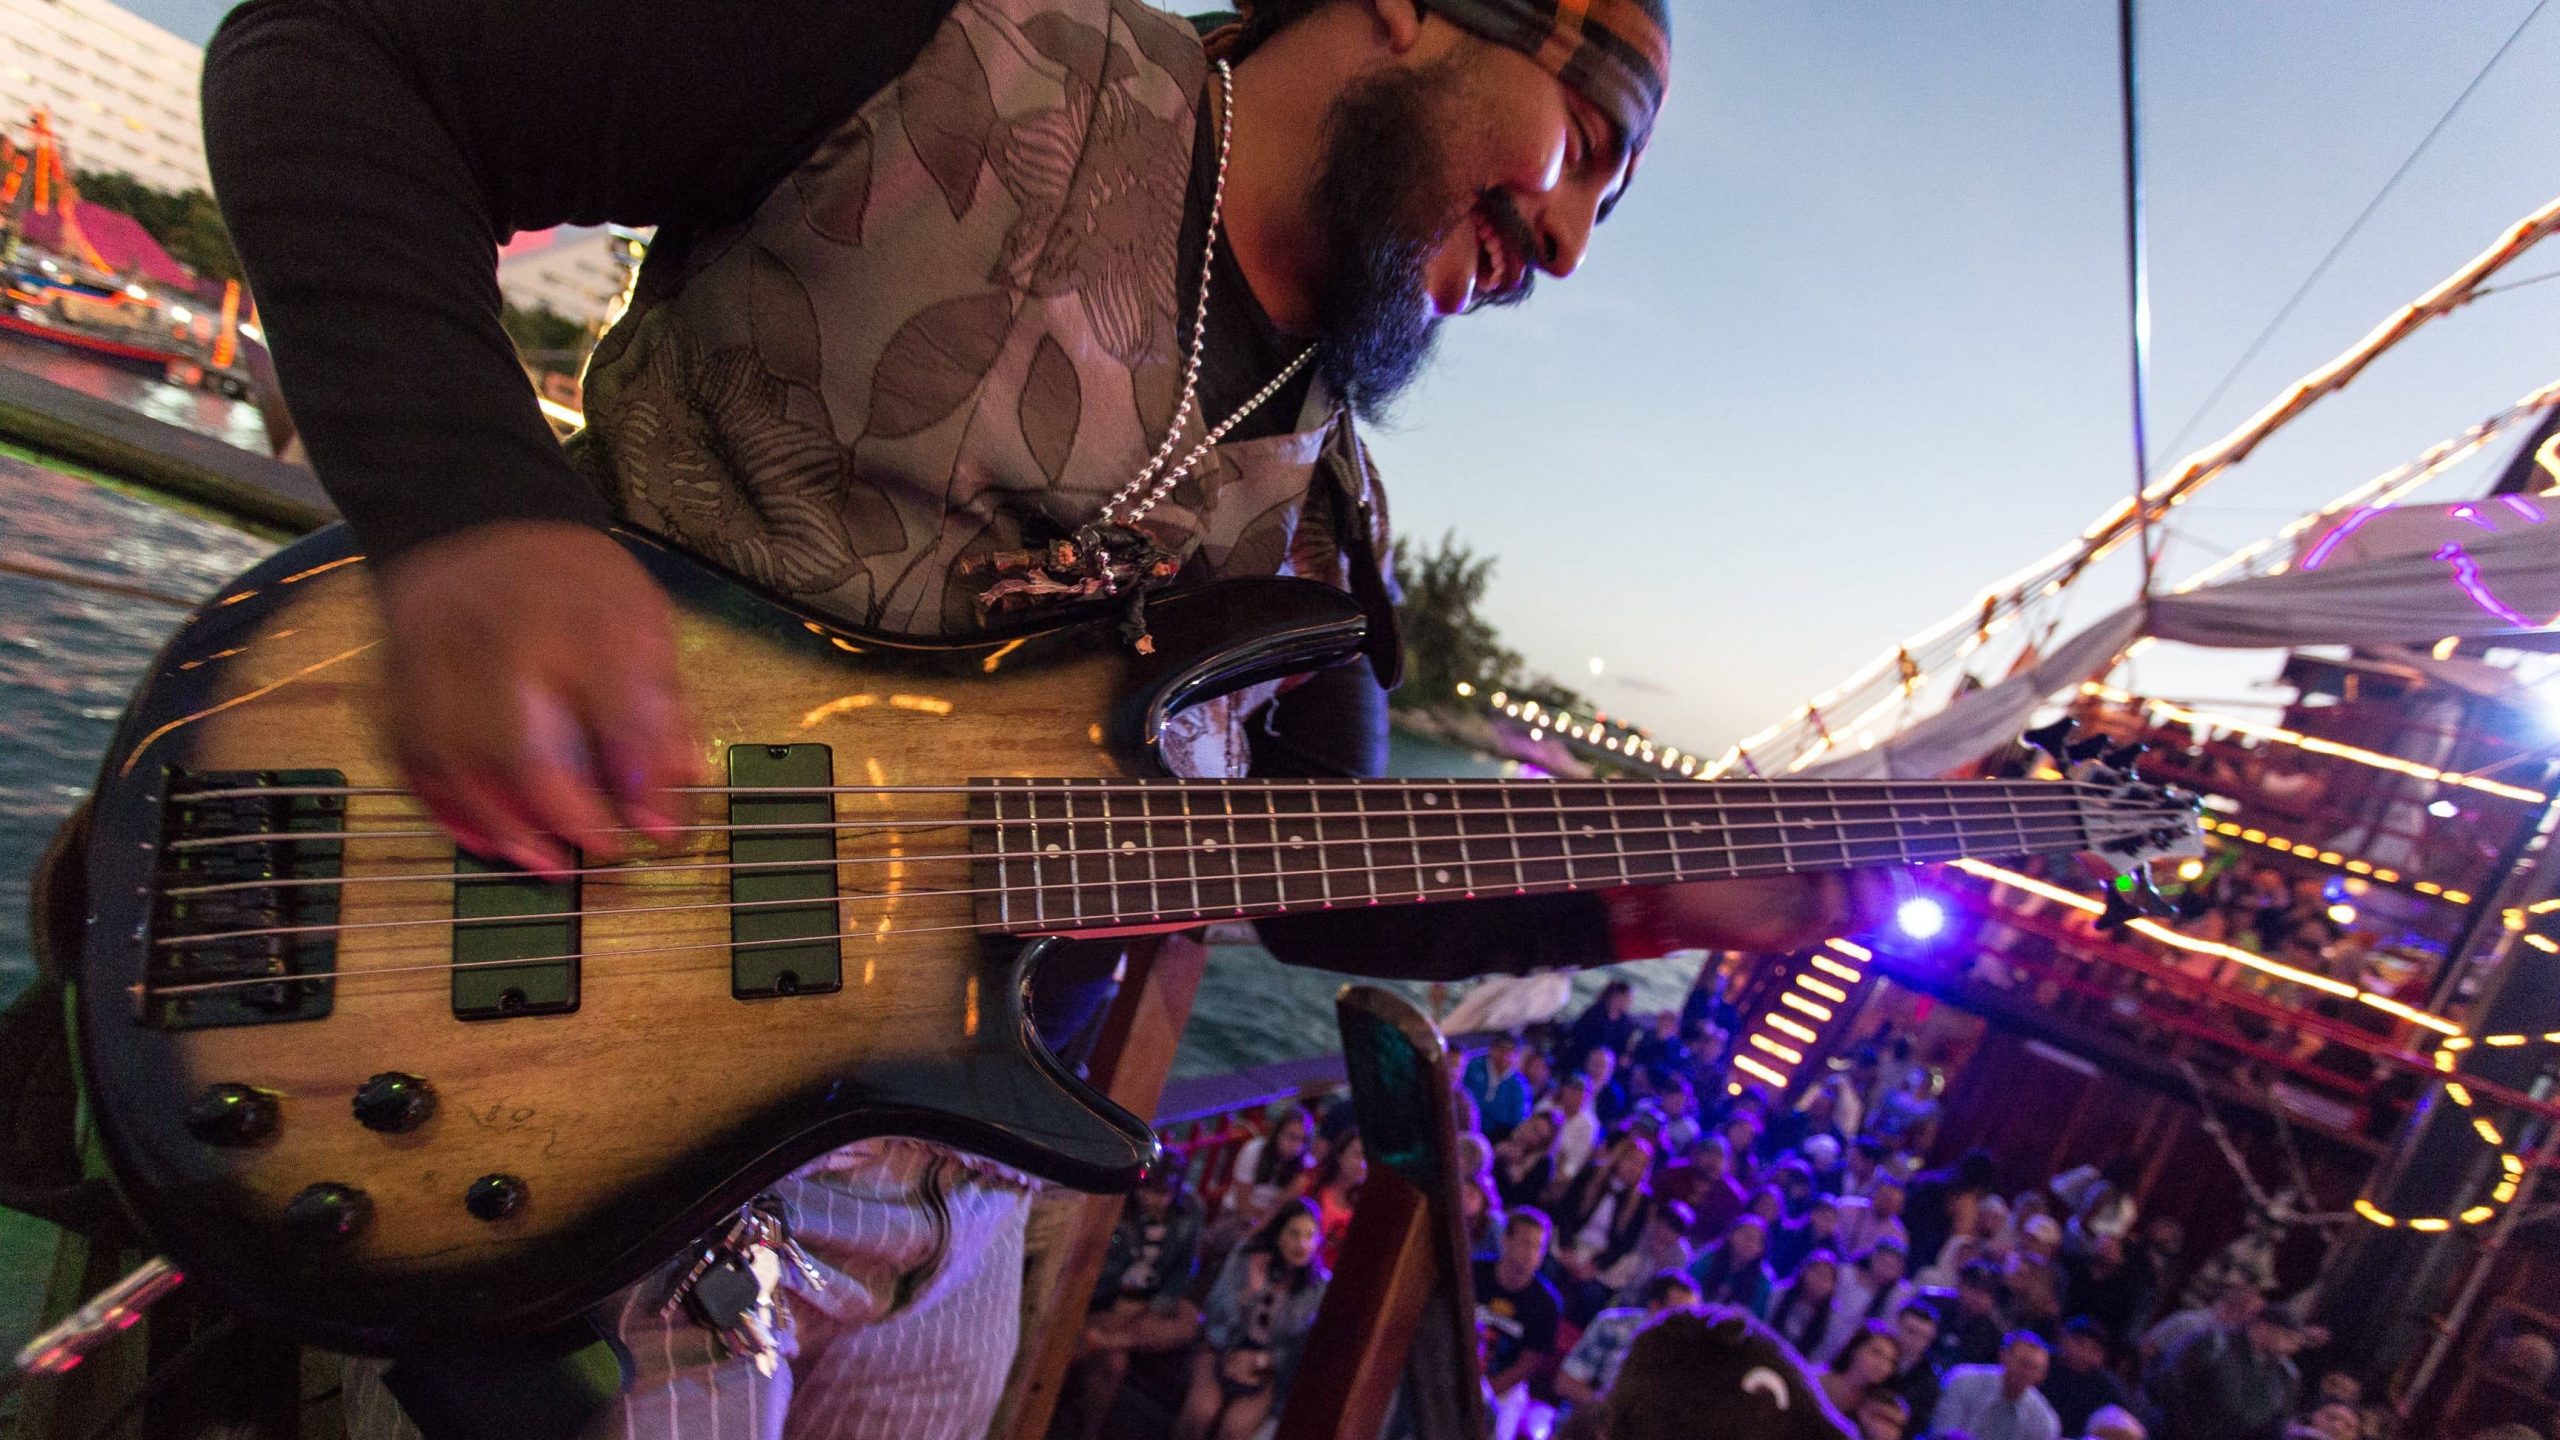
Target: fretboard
(1071, 855)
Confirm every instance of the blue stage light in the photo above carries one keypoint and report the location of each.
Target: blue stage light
(1921, 918)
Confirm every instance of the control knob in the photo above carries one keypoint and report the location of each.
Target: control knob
(327, 1212)
(394, 1103)
(232, 1115)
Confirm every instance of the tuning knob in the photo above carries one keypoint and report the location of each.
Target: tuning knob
(495, 1197)
(327, 1213)
(2123, 756)
(2051, 738)
(2082, 750)
(232, 1115)
(394, 1103)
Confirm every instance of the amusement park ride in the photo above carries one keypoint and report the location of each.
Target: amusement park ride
(61, 290)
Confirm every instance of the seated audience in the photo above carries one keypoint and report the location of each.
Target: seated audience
(2081, 1384)
(1800, 1309)
(1736, 1272)
(1256, 1318)
(1517, 1310)
(1862, 1367)
(1592, 1368)
(2000, 1402)
(1142, 1304)
(1501, 1092)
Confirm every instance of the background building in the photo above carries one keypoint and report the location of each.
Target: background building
(121, 91)
(578, 273)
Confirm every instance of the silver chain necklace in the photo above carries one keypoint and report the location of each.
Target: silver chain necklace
(1109, 557)
(1164, 479)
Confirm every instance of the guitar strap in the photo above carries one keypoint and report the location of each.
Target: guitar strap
(1357, 523)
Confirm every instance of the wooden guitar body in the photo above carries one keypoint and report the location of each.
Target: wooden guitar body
(589, 1107)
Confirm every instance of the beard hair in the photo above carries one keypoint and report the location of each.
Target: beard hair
(1382, 210)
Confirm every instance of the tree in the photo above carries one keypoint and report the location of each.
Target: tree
(1445, 640)
(547, 339)
(186, 222)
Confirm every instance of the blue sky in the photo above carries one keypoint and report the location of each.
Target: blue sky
(1854, 346)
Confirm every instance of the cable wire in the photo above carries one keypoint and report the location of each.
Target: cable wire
(2231, 375)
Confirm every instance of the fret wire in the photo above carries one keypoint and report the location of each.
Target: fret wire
(1039, 857)
(1413, 837)
(1235, 847)
(1511, 828)
(1368, 847)
(1190, 848)
(1662, 793)
(1004, 861)
(1111, 853)
(1271, 823)
(1075, 852)
(1147, 832)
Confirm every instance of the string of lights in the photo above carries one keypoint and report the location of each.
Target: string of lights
(2454, 1042)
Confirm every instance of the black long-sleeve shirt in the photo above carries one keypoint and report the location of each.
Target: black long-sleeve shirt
(371, 156)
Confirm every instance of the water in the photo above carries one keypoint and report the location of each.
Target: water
(234, 421)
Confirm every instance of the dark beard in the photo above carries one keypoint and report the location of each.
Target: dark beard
(1381, 212)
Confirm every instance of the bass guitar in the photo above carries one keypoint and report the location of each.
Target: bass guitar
(393, 1097)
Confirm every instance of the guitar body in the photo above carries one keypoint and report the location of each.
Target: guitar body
(590, 1106)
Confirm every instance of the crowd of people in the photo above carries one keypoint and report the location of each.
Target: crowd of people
(1621, 1175)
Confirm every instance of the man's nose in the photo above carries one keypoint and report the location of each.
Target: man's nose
(1564, 231)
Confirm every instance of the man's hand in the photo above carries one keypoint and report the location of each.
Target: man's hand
(1773, 915)
(534, 702)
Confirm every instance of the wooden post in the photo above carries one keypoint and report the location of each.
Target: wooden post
(1401, 1310)
(1071, 1232)
(1355, 1357)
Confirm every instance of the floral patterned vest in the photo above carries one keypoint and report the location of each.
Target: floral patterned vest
(960, 313)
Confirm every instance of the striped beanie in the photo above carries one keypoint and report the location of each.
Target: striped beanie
(1617, 53)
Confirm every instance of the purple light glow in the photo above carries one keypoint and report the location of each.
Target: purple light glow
(2330, 542)
(2524, 507)
(2466, 573)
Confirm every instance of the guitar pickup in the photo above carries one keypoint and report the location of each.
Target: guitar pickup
(777, 947)
(513, 917)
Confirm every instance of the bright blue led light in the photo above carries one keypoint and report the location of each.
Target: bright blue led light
(1921, 918)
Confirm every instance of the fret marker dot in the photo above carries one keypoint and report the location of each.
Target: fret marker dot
(1208, 844)
(1053, 847)
(1296, 841)
(1439, 877)
(1128, 844)
(1587, 830)
(1430, 799)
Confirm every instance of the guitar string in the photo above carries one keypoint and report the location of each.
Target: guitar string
(1155, 883)
(1886, 789)
(1892, 810)
(1060, 926)
(2131, 818)
(1903, 822)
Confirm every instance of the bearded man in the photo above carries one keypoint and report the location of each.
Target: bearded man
(931, 281)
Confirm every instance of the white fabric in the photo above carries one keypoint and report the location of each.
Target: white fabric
(2483, 581)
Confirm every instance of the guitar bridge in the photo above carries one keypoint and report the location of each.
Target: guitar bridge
(242, 915)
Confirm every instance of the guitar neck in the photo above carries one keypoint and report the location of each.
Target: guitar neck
(1098, 854)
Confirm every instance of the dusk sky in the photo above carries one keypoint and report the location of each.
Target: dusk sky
(1854, 346)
